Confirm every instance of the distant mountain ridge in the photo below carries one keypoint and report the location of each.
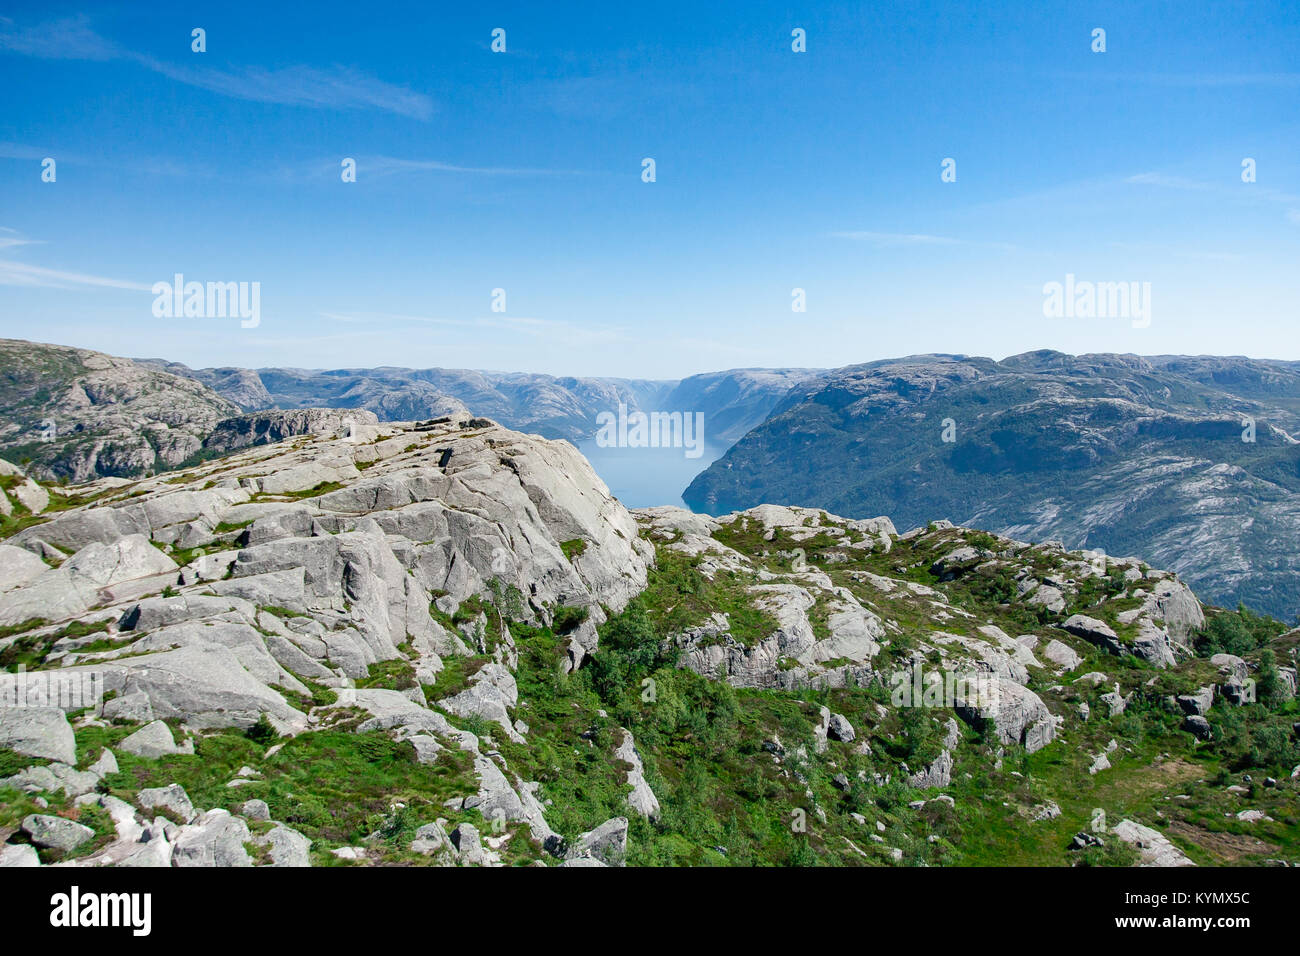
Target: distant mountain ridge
(1128, 454)
(76, 414)
(732, 401)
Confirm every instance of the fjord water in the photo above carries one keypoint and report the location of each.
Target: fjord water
(645, 477)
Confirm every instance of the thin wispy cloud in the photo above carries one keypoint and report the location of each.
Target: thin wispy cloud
(320, 169)
(1116, 190)
(310, 170)
(67, 39)
(389, 165)
(22, 274)
(1205, 255)
(1166, 180)
(19, 151)
(339, 87)
(896, 238)
(1204, 80)
(13, 273)
(1245, 192)
(134, 165)
(9, 238)
(1280, 79)
(1267, 194)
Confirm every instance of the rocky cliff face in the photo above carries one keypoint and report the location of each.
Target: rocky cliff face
(77, 414)
(237, 594)
(386, 515)
(1121, 453)
(263, 428)
(735, 401)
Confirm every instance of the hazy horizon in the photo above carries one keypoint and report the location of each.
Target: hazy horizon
(670, 378)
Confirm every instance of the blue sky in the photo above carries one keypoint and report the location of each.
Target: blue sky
(775, 170)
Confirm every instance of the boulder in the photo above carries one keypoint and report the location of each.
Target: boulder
(1154, 847)
(16, 855)
(105, 764)
(1172, 602)
(952, 563)
(1115, 703)
(469, 846)
(938, 774)
(1153, 644)
(172, 797)
(38, 732)
(203, 683)
(1062, 655)
(431, 838)
(153, 741)
(1237, 686)
(255, 810)
(1197, 704)
(288, 847)
(606, 843)
(214, 839)
(56, 833)
(839, 728)
(1197, 725)
(32, 496)
(1049, 597)
(1019, 715)
(1091, 629)
(53, 777)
